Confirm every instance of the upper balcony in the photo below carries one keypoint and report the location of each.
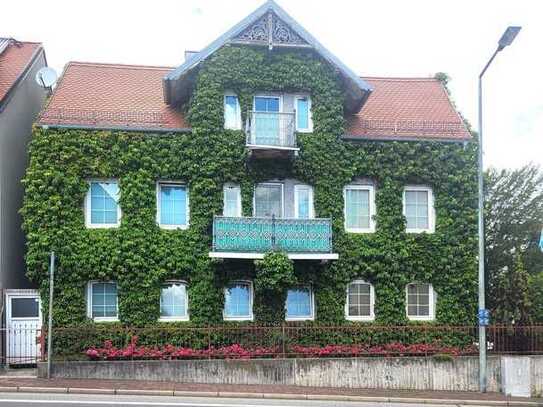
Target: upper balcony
(253, 237)
(271, 132)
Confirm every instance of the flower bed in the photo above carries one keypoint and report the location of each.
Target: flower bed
(236, 351)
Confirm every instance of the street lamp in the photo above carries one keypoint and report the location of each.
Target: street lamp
(506, 39)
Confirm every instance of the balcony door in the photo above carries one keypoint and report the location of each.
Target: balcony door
(267, 126)
(268, 200)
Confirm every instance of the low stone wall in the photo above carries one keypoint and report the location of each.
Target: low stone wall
(424, 373)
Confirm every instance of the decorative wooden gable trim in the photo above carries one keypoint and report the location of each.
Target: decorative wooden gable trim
(270, 30)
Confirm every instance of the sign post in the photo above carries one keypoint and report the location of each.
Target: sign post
(50, 321)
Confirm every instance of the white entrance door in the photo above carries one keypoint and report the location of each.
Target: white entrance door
(23, 323)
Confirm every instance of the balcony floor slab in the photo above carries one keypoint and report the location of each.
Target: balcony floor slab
(256, 256)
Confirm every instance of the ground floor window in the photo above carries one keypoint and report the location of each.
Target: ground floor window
(102, 303)
(174, 302)
(300, 304)
(360, 301)
(238, 301)
(420, 301)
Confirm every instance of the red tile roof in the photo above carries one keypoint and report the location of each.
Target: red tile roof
(107, 95)
(102, 95)
(407, 108)
(13, 62)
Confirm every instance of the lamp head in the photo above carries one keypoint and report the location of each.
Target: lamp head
(508, 37)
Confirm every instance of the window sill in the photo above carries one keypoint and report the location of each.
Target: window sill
(180, 319)
(360, 319)
(427, 319)
(294, 319)
(419, 231)
(247, 318)
(360, 231)
(173, 227)
(102, 225)
(107, 319)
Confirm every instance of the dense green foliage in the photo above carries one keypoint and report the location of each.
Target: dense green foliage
(513, 222)
(140, 256)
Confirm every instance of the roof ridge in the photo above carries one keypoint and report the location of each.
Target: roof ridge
(119, 65)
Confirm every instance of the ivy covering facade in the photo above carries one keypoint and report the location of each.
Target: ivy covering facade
(140, 256)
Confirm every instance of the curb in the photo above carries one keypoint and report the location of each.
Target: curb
(269, 396)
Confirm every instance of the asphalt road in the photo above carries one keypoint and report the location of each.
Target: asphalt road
(84, 400)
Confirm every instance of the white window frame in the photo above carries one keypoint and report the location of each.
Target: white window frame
(282, 196)
(312, 304)
(88, 205)
(362, 187)
(431, 208)
(370, 317)
(297, 187)
(309, 116)
(158, 204)
(89, 301)
(249, 317)
(238, 125)
(431, 304)
(174, 319)
(238, 197)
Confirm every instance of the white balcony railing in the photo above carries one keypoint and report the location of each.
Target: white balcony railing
(271, 129)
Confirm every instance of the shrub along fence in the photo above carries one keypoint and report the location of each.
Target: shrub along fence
(114, 342)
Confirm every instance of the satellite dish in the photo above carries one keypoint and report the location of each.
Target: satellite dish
(46, 77)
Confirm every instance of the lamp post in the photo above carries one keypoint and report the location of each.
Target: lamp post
(506, 39)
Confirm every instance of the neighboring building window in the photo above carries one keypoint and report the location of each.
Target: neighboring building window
(174, 302)
(232, 112)
(102, 301)
(360, 301)
(303, 202)
(303, 114)
(418, 209)
(420, 301)
(232, 200)
(300, 304)
(238, 301)
(173, 206)
(268, 200)
(359, 208)
(102, 204)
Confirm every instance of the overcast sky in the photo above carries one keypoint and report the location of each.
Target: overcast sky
(373, 37)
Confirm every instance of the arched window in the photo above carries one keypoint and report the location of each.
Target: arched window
(174, 301)
(420, 301)
(360, 301)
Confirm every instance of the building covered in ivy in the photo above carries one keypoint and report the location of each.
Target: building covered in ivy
(260, 181)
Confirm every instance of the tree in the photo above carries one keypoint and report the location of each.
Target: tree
(512, 294)
(513, 222)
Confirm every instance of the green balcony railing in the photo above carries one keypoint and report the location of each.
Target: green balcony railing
(260, 235)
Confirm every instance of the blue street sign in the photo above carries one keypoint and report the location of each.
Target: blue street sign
(541, 241)
(484, 317)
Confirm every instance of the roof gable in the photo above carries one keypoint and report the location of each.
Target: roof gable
(270, 26)
(15, 59)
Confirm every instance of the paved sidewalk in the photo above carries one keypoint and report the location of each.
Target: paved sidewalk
(255, 391)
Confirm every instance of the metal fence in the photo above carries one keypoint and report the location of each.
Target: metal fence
(25, 345)
(97, 342)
